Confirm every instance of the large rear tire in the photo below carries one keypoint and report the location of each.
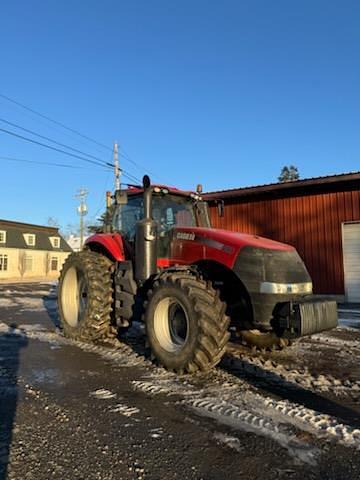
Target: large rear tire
(85, 296)
(186, 325)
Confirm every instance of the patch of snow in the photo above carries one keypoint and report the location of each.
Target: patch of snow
(32, 327)
(337, 342)
(30, 304)
(103, 394)
(124, 410)
(6, 303)
(231, 442)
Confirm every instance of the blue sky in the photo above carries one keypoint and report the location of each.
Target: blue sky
(224, 93)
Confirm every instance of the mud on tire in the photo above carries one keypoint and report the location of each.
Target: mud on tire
(85, 296)
(186, 325)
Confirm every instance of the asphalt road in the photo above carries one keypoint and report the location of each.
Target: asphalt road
(74, 411)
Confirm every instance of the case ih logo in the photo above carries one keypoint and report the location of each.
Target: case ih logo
(185, 236)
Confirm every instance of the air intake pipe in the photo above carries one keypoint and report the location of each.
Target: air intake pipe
(146, 239)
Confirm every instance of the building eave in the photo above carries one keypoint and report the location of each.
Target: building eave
(345, 180)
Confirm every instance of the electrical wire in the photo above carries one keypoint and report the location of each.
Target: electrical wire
(72, 130)
(105, 165)
(52, 164)
(102, 164)
(50, 139)
(130, 177)
(54, 121)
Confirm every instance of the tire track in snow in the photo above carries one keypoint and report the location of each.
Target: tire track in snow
(275, 372)
(335, 342)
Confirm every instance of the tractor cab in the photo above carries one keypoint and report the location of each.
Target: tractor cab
(170, 208)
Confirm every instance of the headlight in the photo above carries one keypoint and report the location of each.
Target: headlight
(283, 288)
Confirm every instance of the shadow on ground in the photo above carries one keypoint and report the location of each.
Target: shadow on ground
(50, 304)
(11, 343)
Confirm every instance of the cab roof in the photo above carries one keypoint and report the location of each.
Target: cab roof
(136, 189)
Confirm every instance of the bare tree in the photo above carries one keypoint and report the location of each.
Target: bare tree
(47, 263)
(22, 263)
(52, 222)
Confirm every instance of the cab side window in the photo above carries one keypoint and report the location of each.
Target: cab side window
(126, 217)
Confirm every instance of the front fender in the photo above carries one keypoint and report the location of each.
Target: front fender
(111, 242)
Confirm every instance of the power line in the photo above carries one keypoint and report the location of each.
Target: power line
(54, 121)
(130, 177)
(105, 165)
(137, 165)
(62, 125)
(50, 139)
(52, 164)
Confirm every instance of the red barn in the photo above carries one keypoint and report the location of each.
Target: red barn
(319, 216)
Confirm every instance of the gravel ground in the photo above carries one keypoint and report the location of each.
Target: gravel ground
(69, 410)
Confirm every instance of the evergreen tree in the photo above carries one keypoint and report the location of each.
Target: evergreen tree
(289, 174)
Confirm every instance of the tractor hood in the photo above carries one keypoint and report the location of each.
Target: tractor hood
(220, 244)
(239, 240)
(254, 259)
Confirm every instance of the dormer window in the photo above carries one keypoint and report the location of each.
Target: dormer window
(55, 242)
(30, 239)
(2, 236)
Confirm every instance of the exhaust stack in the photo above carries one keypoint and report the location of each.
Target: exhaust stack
(146, 239)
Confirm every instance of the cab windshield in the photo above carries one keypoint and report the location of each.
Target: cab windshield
(168, 211)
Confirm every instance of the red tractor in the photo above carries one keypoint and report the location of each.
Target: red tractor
(158, 260)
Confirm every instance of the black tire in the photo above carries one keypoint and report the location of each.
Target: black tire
(88, 276)
(184, 300)
(125, 296)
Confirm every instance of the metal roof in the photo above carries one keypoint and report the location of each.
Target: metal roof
(15, 236)
(295, 185)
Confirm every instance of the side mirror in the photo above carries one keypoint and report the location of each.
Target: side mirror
(220, 207)
(121, 197)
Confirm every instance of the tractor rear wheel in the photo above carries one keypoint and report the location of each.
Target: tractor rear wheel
(186, 325)
(85, 296)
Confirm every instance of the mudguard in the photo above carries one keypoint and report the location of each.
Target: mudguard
(111, 242)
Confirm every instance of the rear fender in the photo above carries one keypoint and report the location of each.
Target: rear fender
(112, 243)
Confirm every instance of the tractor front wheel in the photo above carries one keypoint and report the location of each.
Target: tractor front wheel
(186, 325)
(85, 296)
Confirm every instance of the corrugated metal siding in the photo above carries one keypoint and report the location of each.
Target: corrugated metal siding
(312, 223)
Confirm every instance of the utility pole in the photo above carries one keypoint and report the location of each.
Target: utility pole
(116, 167)
(117, 180)
(82, 211)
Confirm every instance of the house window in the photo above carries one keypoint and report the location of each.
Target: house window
(28, 263)
(54, 264)
(55, 241)
(3, 262)
(30, 239)
(2, 236)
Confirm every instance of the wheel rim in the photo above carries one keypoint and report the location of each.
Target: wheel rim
(171, 324)
(74, 296)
